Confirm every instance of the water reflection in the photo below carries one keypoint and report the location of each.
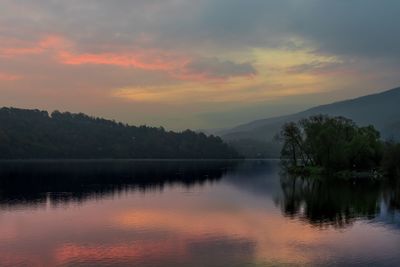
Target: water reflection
(339, 203)
(191, 213)
(34, 183)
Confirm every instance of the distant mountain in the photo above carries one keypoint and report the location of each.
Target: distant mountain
(34, 134)
(381, 110)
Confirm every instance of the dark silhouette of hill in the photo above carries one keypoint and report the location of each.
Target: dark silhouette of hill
(34, 134)
(381, 110)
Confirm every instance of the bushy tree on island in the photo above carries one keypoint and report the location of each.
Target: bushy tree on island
(330, 144)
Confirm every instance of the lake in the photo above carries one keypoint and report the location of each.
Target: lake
(191, 213)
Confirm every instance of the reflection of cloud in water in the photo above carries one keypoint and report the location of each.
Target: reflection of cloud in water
(171, 218)
(177, 251)
(233, 222)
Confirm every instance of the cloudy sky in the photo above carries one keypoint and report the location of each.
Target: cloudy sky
(195, 63)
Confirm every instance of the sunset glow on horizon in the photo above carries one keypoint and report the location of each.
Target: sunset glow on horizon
(186, 64)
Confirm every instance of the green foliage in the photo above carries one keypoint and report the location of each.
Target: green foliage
(333, 143)
(36, 134)
(293, 143)
(391, 159)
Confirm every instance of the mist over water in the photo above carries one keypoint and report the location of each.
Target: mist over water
(191, 213)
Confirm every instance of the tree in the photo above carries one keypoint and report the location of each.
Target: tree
(292, 149)
(333, 143)
(35, 134)
(391, 159)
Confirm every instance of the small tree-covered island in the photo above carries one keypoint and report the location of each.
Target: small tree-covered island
(336, 146)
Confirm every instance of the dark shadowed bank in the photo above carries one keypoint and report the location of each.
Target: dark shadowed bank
(34, 134)
(30, 181)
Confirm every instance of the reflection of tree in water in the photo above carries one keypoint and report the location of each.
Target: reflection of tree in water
(61, 182)
(391, 195)
(331, 202)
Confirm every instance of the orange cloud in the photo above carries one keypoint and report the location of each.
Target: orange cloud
(177, 65)
(64, 52)
(148, 60)
(14, 48)
(9, 77)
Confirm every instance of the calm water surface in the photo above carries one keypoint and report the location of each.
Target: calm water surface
(191, 213)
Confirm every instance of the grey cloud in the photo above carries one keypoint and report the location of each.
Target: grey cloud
(315, 67)
(171, 24)
(363, 33)
(346, 27)
(367, 28)
(215, 68)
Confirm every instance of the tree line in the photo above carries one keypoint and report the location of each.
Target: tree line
(336, 144)
(26, 134)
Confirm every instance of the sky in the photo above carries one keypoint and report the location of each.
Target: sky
(197, 64)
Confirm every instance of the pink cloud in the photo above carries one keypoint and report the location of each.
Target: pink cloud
(148, 60)
(65, 52)
(15, 48)
(175, 64)
(8, 77)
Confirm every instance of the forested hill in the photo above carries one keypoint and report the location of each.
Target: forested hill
(380, 110)
(34, 134)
